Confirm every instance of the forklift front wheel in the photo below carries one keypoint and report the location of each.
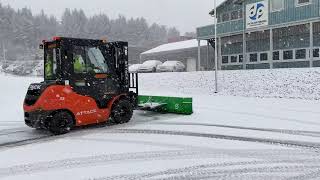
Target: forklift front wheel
(61, 123)
(122, 111)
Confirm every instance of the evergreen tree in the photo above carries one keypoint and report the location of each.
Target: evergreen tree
(21, 31)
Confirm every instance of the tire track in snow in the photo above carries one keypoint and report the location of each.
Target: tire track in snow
(282, 131)
(4, 132)
(187, 153)
(79, 131)
(308, 176)
(26, 142)
(100, 159)
(307, 145)
(209, 171)
(140, 156)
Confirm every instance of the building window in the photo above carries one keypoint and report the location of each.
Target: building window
(232, 44)
(316, 34)
(276, 55)
(264, 57)
(316, 53)
(302, 2)
(291, 37)
(234, 59)
(258, 41)
(240, 13)
(236, 15)
(225, 17)
(277, 5)
(225, 59)
(301, 54)
(287, 55)
(254, 57)
(240, 58)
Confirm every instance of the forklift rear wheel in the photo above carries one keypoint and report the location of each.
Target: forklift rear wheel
(61, 123)
(122, 111)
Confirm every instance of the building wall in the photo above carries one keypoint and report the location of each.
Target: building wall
(291, 48)
(290, 14)
(183, 55)
(291, 40)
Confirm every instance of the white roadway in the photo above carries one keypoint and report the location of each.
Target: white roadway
(225, 138)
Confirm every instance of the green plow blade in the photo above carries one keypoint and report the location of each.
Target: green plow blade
(164, 104)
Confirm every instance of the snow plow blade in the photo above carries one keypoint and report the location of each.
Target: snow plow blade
(164, 104)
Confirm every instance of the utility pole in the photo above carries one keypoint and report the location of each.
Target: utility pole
(213, 13)
(215, 46)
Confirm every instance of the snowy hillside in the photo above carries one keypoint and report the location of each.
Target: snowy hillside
(276, 83)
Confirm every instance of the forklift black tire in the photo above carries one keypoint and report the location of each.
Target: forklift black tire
(61, 123)
(122, 111)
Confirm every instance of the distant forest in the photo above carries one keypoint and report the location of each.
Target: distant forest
(21, 31)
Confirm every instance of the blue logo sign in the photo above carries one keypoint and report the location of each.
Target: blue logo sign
(256, 11)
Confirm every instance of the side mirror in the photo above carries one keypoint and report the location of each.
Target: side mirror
(41, 46)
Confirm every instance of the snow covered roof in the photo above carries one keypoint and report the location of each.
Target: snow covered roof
(176, 46)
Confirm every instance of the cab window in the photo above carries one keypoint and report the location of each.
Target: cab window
(50, 64)
(79, 60)
(89, 59)
(97, 60)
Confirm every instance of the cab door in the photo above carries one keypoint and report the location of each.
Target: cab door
(91, 74)
(80, 78)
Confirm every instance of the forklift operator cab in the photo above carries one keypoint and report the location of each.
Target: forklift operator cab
(85, 82)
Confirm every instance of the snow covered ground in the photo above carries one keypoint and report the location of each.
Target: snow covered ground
(227, 137)
(276, 83)
(12, 93)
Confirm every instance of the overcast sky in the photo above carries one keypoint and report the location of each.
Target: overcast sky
(186, 15)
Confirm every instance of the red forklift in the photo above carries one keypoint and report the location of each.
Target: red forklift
(85, 82)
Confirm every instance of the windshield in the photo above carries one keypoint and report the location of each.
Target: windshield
(50, 63)
(97, 60)
(88, 59)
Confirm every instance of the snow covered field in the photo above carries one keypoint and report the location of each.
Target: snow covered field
(227, 137)
(283, 83)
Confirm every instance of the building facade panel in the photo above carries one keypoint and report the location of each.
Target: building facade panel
(232, 67)
(298, 64)
(258, 66)
(316, 63)
(291, 13)
(230, 27)
(294, 12)
(290, 40)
